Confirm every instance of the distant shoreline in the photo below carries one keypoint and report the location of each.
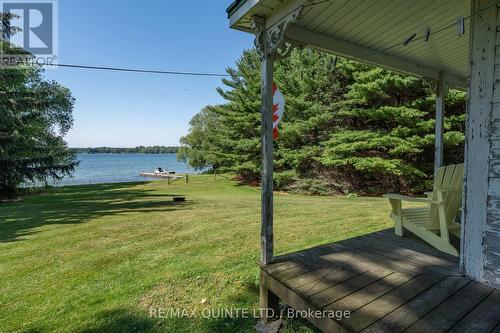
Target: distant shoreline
(135, 150)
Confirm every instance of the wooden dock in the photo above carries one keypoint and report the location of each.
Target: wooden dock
(169, 176)
(387, 283)
(160, 175)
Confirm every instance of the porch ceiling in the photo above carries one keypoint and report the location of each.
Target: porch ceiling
(373, 31)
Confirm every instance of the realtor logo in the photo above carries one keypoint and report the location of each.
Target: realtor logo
(36, 21)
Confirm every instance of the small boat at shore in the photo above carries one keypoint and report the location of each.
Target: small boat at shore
(169, 175)
(161, 173)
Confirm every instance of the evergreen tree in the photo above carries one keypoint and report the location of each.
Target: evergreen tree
(312, 83)
(384, 133)
(347, 126)
(34, 116)
(226, 137)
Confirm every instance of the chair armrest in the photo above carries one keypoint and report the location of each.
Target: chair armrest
(407, 198)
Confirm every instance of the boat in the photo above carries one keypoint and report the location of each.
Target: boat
(160, 172)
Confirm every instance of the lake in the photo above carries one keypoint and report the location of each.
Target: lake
(119, 168)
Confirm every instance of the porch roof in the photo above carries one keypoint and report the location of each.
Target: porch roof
(374, 31)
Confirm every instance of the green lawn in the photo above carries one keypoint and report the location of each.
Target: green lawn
(96, 258)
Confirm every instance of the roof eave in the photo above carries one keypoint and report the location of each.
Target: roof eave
(240, 10)
(233, 7)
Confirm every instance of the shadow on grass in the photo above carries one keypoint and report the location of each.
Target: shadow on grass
(78, 204)
(127, 320)
(123, 321)
(120, 321)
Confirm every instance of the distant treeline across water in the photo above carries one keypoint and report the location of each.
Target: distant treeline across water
(136, 150)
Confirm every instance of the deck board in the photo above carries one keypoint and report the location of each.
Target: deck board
(329, 281)
(388, 283)
(409, 313)
(347, 287)
(379, 308)
(311, 276)
(444, 316)
(370, 293)
(484, 318)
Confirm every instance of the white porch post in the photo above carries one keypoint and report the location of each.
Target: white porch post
(480, 258)
(270, 44)
(440, 109)
(266, 50)
(267, 299)
(268, 41)
(266, 256)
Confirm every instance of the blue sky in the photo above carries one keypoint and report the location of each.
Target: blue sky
(130, 109)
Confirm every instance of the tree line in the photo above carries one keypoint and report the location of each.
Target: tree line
(135, 150)
(348, 127)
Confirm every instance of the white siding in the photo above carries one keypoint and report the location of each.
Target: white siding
(481, 217)
(492, 234)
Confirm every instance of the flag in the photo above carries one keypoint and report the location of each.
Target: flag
(278, 110)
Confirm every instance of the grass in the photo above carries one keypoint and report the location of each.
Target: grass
(97, 258)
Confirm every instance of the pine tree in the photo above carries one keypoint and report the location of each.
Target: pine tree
(347, 126)
(384, 133)
(312, 83)
(226, 137)
(34, 116)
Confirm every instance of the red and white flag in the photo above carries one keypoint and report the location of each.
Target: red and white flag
(278, 109)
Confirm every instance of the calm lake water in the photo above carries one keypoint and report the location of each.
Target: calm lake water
(118, 168)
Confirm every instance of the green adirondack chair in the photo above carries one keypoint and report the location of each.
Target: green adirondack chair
(436, 221)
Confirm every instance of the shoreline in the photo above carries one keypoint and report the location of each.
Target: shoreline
(146, 180)
(112, 168)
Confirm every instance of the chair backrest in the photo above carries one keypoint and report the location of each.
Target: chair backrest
(448, 179)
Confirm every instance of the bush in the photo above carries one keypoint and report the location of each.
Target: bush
(283, 180)
(311, 186)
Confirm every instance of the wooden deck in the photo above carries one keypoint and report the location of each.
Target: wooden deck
(388, 283)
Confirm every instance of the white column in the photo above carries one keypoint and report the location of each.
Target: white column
(481, 213)
(440, 109)
(267, 159)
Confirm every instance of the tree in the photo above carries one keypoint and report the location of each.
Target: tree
(307, 80)
(384, 133)
(199, 148)
(312, 83)
(35, 114)
(226, 136)
(347, 126)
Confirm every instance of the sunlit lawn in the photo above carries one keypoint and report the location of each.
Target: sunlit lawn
(97, 258)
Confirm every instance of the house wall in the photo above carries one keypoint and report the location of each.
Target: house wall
(492, 233)
(481, 209)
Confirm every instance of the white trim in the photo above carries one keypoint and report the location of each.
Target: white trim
(366, 55)
(241, 11)
(282, 11)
